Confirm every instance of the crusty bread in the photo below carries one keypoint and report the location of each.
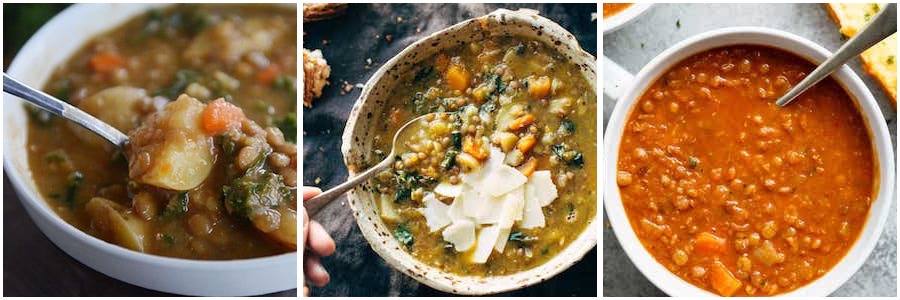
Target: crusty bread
(322, 11)
(879, 60)
(315, 75)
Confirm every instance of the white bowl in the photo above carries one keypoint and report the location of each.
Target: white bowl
(840, 273)
(358, 142)
(51, 46)
(626, 16)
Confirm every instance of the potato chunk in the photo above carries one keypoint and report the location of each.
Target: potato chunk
(122, 107)
(115, 225)
(171, 150)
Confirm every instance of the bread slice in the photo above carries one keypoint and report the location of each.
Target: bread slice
(315, 75)
(313, 12)
(880, 60)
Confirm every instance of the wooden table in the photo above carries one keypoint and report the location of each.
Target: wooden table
(347, 42)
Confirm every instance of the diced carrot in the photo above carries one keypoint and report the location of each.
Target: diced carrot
(474, 148)
(539, 87)
(722, 280)
(457, 77)
(528, 167)
(265, 76)
(708, 244)
(441, 62)
(106, 62)
(521, 122)
(219, 116)
(526, 143)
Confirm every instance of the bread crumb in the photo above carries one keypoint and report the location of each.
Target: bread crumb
(315, 75)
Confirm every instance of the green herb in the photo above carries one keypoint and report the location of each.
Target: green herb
(288, 126)
(406, 182)
(890, 60)
(256, 190)
(572, 158)
(73, 184)
(285, 83)
(404, 236)
(57, 156)
(449, 160)
(183, 78)
(168, 238)
(518, 236)
(642, 45)
(424, 74)
(678, 23)
(456, 139)
(520, 49)
(177, 206)
(568, 125)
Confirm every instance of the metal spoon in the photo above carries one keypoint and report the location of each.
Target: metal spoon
(314, 204)
(883, 25)
(64, 110)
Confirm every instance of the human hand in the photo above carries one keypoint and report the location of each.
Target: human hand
(319, 244)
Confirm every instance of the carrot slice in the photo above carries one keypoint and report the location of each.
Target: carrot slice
(521, 122)
(539, 87)
(267, 75)
(106, 62)
(457, 77)
(474, 148)
(722, 280)
(528, 167)
(709, 244)
(526, 143)
(219, 116)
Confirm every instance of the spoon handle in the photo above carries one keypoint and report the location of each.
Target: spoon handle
(64, 110)
(883, 25)
(314, 204)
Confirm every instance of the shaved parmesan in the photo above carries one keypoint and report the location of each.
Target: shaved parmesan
(448, 190)
(481, 208)
(456, 210)
(502, 180)
(490, 201)
(534, 215)
(513, 204)
(540, 185)
(461, 234)
(487, 237)
(388, 212)
(436, 213)
(502, 238)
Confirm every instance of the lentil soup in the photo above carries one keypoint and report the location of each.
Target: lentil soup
(130, 77)
(737, 195)
(512, 110)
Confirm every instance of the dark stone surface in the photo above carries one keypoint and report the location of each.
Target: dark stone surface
(355, 269)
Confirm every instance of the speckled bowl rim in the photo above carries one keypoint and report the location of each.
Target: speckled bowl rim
(654, 271)
(373, 228)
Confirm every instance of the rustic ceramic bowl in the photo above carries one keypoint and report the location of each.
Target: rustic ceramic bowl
(868, 108)
(358, 138)
(51, 46)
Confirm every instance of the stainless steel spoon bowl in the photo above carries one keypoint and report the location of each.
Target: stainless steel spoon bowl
(313, 205)
(64, 110)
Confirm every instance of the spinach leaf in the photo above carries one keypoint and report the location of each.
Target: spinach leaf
(404, 236)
